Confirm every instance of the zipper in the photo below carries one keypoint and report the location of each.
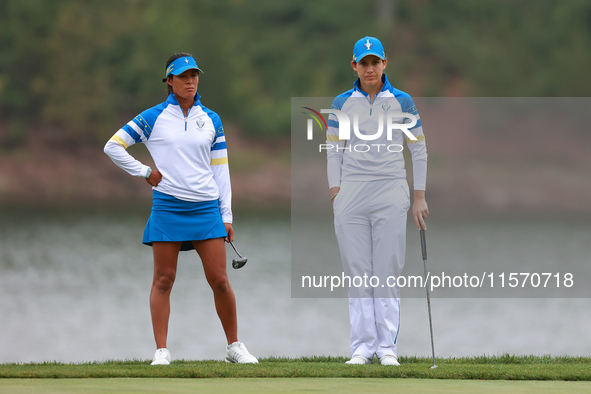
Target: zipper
(186, 117)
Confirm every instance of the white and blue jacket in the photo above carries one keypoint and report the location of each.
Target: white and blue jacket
(190, 152)
(359, 159)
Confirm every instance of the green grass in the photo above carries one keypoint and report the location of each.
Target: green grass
(502, 367)
(283, 385)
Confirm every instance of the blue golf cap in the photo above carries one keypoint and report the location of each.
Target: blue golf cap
(181, 65)
(368, 46)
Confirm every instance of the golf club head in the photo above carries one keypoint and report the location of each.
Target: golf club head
(434, 366)
(239, 263)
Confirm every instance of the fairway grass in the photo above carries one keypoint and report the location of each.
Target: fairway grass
(284, 385)
(504, 367)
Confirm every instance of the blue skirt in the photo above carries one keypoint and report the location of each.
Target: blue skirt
(174, 220)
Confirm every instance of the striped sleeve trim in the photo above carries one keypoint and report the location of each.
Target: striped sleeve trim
(333, 138)
(420, 138)
(219, 143)
(419, 123)
(133, 131)
(120, 141)
(411, 108)
(125, 137)
(220, 161)
(219, 146)
(219, 152)
(332, 123)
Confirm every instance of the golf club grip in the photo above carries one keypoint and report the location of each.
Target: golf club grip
(423, 244)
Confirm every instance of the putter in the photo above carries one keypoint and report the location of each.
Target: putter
(236, 264)
(424, 250)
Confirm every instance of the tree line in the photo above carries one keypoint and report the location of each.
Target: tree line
(78, 70)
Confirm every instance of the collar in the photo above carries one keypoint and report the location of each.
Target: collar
(172, 99)
(385, 81)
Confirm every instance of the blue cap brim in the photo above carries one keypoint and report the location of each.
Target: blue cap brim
(182, 64)
(181, 70)
(371, 53)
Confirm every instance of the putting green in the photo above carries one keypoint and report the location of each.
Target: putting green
(284, 385)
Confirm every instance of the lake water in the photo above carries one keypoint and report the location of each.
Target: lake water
(74, 287)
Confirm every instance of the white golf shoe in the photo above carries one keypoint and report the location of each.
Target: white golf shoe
(389, 359)
(358, 359)
(237, 353)
(162, 357)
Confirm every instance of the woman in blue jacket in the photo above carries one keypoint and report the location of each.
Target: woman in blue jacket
(191, 205)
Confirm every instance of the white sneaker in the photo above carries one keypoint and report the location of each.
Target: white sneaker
(162, 357)
(359, 359)
(389, 359)
(237, 353)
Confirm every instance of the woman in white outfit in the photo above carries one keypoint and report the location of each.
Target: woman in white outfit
(370, 195)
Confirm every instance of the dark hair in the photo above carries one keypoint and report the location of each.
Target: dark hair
(170, 60)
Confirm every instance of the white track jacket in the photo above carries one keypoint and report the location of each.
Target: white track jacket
(369, 159)
(190, 152)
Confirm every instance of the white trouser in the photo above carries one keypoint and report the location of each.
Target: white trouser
(370, 226)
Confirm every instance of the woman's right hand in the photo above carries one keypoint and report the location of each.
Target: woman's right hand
(333, 193)
(154, 178)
